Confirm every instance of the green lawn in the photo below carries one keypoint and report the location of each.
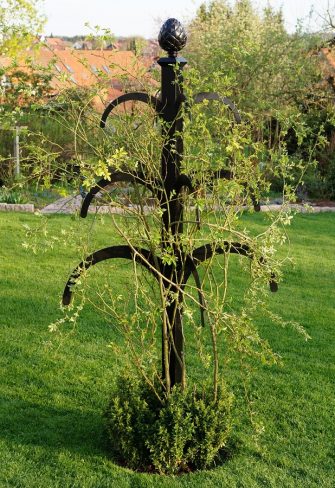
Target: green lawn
(52, 396)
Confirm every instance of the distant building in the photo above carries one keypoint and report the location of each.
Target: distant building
(116, 71)
(82, 45)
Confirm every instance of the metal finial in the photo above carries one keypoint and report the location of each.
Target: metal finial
(172, 37)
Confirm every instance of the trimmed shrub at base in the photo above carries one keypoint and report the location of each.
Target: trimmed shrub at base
(187, 431)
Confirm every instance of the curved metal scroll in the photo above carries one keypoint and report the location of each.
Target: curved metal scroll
(205, 252)
(134, 96)
(200, 97)
(141, 256)
(114, 178)
(119, 175)
(183, 180)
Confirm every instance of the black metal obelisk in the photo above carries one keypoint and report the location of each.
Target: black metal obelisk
(172, 273)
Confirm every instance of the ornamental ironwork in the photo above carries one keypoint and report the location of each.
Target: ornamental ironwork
(167, 190)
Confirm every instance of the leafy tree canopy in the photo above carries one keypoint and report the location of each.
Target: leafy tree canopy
(20, 23)
(264, 68)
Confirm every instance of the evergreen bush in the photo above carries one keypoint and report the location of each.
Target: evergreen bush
(187, 431)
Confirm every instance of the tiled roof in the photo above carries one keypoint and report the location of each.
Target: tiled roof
(56, 43)
(84, 68)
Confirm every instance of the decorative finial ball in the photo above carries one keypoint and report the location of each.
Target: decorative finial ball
(172, 37)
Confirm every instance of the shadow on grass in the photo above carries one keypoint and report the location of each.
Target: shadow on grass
(56, 429)
(29, 423)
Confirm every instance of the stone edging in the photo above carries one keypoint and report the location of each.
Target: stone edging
(17, 207)
(71, 205)
(298, 207)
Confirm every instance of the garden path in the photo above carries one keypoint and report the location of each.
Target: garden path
(69, 205)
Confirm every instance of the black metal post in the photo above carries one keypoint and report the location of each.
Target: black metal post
(172, 38)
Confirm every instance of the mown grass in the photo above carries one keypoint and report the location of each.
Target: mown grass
(52, 395)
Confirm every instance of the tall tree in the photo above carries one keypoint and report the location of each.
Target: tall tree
(274, 77)
(264, 67)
